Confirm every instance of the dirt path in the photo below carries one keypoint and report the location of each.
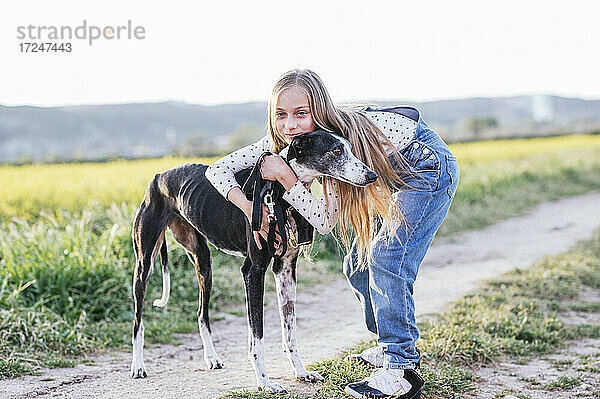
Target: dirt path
(329, 317)
(569, 373)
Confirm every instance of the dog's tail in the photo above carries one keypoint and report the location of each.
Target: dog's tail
(165, 275)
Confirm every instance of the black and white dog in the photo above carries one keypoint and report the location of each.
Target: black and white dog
(184, 201)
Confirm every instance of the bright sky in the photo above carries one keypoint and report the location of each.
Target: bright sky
(209, 52)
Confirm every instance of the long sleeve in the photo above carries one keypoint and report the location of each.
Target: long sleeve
(322, 217)
(221, 173)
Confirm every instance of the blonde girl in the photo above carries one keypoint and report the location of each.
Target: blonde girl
(393, 220)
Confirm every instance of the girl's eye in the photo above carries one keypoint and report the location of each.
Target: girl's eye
(280, 114)
(302, 113)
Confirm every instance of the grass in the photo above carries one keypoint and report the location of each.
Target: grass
(512, 392)
(65, 249)
(586, 307)
(563, 382)
(32, 336)
(515, 316)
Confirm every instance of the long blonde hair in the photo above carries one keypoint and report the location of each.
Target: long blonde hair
(361, 209)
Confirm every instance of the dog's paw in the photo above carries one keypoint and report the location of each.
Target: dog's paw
(138, 372)
(310, 376)
(273, 387)
(213, 362)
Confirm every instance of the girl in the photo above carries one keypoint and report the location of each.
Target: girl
(393, 219)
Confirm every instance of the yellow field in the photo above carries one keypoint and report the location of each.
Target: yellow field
(26, 190)
(29, 189)
(483, 152)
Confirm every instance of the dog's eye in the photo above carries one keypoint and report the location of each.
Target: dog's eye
(338, 151)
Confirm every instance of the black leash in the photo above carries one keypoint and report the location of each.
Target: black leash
(270, 193)
(265, 192)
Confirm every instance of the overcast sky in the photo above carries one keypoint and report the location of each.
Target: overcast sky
(209, 52)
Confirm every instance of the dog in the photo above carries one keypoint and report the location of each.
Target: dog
(182, 200)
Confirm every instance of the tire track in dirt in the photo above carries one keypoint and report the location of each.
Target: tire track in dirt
(329, 318)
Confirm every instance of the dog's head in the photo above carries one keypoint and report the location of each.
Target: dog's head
(322, 153)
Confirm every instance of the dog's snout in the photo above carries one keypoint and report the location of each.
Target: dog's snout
(371, 176)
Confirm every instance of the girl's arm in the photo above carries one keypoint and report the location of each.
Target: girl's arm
(221, 174)
(323, 218)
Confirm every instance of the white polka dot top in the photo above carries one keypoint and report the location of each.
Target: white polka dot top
(221, 173)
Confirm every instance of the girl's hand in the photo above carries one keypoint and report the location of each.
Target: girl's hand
(237, 197)
(273, 167)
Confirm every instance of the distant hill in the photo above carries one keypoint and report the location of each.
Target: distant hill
(154, 129)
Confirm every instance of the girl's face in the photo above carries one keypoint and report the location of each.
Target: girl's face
(293, 116)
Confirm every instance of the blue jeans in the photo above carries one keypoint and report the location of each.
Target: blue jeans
(385, 287)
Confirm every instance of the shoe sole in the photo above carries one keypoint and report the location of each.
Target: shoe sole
(354, 394)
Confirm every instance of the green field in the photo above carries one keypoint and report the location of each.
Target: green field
(66, 257)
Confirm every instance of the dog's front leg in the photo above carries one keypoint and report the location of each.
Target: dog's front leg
(254, 279)
(285, 280)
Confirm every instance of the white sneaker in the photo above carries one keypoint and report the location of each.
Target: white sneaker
(372, 356)
(388, 383)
